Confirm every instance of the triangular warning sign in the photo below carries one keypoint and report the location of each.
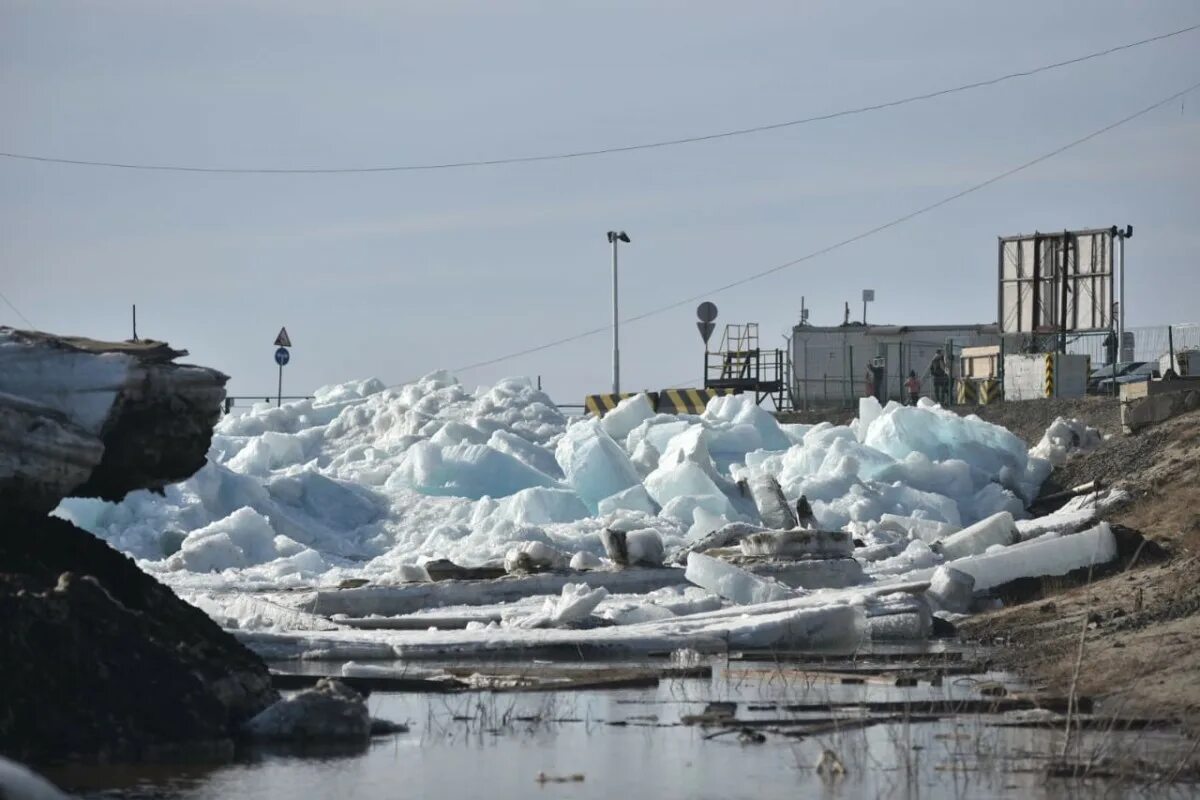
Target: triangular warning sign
(283, 340)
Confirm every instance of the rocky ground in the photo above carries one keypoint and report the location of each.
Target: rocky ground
(98, 659)
(1134, 635)
(102, 661)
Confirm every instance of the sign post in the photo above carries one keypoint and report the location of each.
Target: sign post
(282, 356)
(868, 297)
(706, 312)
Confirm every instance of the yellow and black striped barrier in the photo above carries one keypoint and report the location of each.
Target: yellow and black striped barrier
(989, 391)
(966, 394)
(601, 404)
(977, 391)
(1049, 388)
(687, 401)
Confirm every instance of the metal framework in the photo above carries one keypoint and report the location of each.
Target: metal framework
(741, 365)
(1055, 283)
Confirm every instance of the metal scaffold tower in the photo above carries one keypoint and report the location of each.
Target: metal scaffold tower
(740, 364)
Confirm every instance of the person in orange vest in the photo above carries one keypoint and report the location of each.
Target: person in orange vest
(913, 387)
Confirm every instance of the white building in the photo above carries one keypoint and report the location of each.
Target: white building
(829, 364)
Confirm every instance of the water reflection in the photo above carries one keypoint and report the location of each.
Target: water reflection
(634, 743)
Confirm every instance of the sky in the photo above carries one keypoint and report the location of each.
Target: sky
(395, 274)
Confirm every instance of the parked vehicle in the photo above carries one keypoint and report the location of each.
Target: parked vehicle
(1145, 371)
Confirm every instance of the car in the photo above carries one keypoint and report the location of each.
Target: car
(1144, 372)
(1105, 371)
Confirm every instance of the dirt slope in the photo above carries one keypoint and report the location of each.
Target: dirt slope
(1141, 627)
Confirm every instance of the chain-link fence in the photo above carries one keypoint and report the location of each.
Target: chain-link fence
(1149, 343)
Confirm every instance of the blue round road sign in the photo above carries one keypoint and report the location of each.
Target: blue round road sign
(282, 356)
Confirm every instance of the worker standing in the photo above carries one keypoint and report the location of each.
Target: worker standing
(869, 382)
(941, 378)
(913, 387)
(1110, 348)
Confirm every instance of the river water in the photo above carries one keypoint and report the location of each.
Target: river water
(630, 743)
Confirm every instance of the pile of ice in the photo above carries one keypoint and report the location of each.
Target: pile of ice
(365, 481)
(1065, 437)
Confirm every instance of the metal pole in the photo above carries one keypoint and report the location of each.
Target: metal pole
(1171, 350)
(135, 322)
(279, 393)
(1121, 315)
(616, 358)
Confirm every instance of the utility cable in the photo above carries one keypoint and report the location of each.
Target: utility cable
(608, 150)
(16, 310)
(842, 243)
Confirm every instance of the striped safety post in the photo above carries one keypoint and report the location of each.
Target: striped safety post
(1049, 388)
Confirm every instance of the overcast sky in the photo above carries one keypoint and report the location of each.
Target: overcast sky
(396, 274)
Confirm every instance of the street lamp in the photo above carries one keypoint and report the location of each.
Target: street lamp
(613, 238)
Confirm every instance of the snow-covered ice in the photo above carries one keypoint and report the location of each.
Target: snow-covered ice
(367, 482)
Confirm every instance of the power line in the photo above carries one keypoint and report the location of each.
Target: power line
(494, 162)
(9, 303)
(844, 242)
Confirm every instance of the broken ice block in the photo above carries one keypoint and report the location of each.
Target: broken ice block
(899, 617)
(997, 529)
(584, 560)
(594, 465)
(629, 413)
(799, 544)
(533, 557)
(927, 530)
(952, 589)
(733, 583)
(1053, 556)
(576, 603)
(772, 506)
(634, 498)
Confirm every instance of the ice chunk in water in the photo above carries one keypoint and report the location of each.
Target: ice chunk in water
(1051, 556)
(997, 529)
(594, 465)
(952, 589)
(576, 603)
(733, 583)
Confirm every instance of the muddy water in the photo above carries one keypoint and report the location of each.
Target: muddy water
(631, 744)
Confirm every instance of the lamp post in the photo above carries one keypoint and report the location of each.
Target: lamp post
(614, 237)
(1121, 235)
